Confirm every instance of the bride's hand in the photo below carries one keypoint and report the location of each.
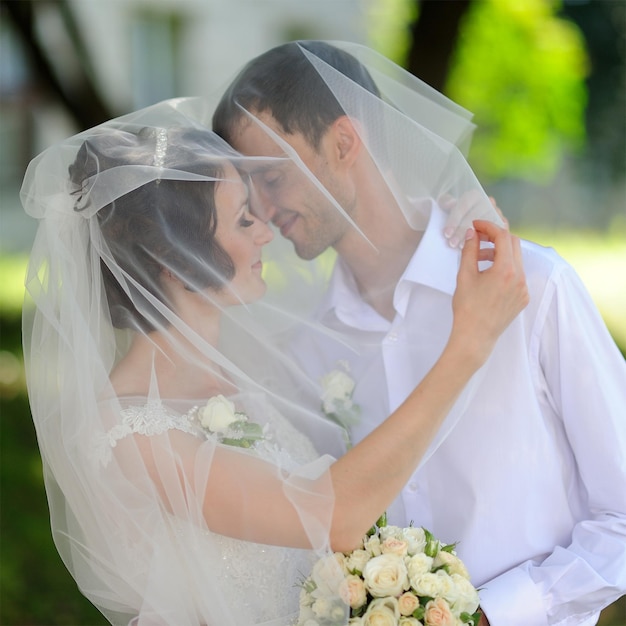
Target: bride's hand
(486, 301)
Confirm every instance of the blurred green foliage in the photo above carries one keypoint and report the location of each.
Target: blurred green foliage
(521, 70)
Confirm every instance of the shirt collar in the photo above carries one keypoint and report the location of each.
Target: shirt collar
(434, 264)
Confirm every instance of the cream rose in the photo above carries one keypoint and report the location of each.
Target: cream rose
(382, 612)
(452, 562)
(438, 613)
(386, 575)
(417, 566)
(352, 591)
(357, 560)
(416, 538)
(408, 603)
(391, 545)
(218, 414)
(409, 621)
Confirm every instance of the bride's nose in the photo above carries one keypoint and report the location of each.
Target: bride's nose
(263, 233)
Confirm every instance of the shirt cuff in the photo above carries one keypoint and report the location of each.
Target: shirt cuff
(513, 599)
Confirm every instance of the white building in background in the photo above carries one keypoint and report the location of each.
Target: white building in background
(141, 52)
(147, 50)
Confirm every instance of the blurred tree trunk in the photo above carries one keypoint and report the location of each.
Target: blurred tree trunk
(77, 94)
(433, 39)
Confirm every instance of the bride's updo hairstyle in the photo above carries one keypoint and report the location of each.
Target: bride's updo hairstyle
(165, 225)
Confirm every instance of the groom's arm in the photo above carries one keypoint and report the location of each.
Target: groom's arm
(585, 377)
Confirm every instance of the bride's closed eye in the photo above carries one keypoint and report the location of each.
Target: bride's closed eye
(244, 220)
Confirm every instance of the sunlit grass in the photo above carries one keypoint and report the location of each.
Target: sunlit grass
(12, 273)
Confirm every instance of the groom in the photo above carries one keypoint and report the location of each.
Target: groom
(528, 473)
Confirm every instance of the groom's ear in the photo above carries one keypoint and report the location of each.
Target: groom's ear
(345, 142)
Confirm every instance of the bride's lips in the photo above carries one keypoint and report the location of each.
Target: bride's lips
(258, 266)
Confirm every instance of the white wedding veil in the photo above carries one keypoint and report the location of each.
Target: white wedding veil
(126, 261)
(138, 312)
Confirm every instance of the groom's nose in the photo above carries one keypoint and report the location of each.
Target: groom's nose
(261, 206)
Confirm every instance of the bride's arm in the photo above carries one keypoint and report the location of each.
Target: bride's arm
(245, 497)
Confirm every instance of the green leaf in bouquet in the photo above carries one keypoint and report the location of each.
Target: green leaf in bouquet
(432, 544)
(450, 547)
(468, 618)
(419, 613)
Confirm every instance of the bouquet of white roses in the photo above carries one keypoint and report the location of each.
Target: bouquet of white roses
(397, 577)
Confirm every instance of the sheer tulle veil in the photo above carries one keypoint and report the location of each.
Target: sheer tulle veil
(127, 254)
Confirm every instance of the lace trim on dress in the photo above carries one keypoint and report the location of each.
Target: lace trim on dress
(150, 419)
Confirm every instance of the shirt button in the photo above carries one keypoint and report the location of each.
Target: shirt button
(393, 336)
(413, 487)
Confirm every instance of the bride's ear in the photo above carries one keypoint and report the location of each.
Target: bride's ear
(345, 141)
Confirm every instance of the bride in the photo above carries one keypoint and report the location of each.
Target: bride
(191, 473)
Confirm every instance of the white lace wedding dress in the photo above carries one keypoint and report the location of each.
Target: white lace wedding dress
(258, 584)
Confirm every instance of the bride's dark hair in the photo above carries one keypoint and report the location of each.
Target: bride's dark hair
(162, 226)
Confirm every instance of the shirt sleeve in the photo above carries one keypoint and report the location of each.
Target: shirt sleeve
(585, 375)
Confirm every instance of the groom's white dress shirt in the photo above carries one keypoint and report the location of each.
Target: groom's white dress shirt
(528, 472)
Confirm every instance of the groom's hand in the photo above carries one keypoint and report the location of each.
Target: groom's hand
(462, 211)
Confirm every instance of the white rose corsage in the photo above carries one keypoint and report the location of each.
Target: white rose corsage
(337, 389)
(396, 577)
(219, 417)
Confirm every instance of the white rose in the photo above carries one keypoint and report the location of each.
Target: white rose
(452, 562)
(382, 612)
(352, 591)
(327, 575)
(463, 597)
(386, 575)
(337, 388)
(372, 545)
(323, 607)
(416, 538)
(218, 414)
(417, 566)
(357, 560)
(433, 584)
(387, 532)
(409, 621)
(355, 621)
